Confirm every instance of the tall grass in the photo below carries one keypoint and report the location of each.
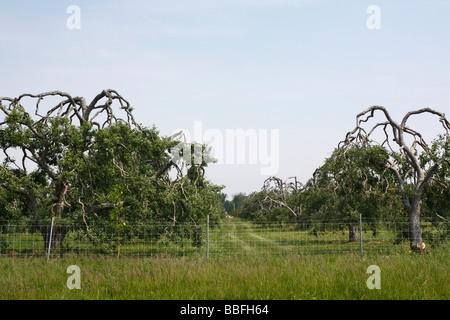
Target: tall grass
(272, 277)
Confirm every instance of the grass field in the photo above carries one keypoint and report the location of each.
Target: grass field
(246, 262)
(343, 276)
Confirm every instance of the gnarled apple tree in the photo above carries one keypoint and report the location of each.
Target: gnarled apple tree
(406, 148)
(92, 162)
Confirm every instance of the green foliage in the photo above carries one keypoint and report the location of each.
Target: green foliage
(436, 195)
(111, 175)
(349, 183)
(4, 245)
(233, 206)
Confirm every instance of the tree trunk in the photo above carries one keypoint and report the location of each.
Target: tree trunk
(58, 235)
(415, 234)
(59, 232)
(59, 199)
(352, 233)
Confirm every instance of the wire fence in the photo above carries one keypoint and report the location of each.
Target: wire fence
(218, 239)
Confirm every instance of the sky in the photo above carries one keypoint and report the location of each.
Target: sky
(290, 74)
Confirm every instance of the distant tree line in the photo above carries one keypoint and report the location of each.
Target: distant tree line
(233, 206)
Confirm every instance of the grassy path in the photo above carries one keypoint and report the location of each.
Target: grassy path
(240, 236)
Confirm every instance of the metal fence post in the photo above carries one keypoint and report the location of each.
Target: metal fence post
(360, 235)
(50, 239)
(207, 237)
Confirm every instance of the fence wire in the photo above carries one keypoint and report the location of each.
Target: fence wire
(225, 238)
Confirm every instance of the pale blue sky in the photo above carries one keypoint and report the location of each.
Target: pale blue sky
(301, 66)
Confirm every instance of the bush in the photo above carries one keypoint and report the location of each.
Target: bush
(3, 245)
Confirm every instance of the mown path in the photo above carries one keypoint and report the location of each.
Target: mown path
(240, 236)
(236, 236)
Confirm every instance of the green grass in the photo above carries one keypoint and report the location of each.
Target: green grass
(247, 261)
(257, 277)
